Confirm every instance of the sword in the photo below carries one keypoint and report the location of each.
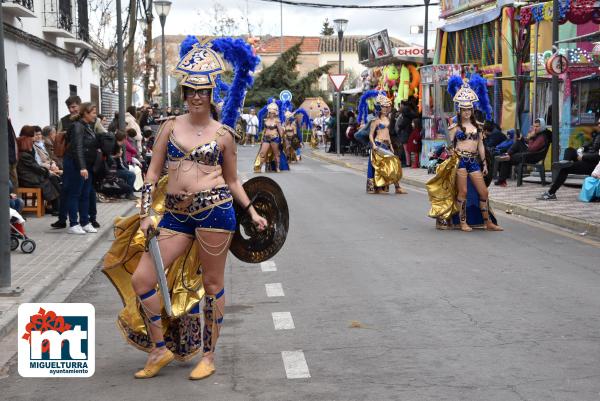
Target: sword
(159, 267)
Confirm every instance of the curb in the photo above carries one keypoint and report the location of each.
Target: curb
(535, 214)
(9, 319)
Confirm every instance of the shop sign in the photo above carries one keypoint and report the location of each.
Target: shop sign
(410, 51)
(452, 7)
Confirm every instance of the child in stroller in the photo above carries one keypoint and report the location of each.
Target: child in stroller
(17, 234)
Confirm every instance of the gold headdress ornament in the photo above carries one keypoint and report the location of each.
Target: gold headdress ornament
(465, 97)
(200, 66)
(383, 101)
(273, 107)
(288, 114)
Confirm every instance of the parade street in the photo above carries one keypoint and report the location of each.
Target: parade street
(368, 301)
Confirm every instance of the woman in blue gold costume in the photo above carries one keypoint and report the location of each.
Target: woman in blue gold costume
(458, 193)
(384, 167)
(271, 153)
(198, 220)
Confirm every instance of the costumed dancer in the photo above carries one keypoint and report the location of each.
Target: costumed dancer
(196, 198)
(458, 193)
(384, 166)
(290, 136)
(271, 152)
(302, 120)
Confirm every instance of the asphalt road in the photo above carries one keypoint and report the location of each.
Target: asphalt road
(384, 307)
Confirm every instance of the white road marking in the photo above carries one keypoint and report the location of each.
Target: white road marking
(268, 266)
(295, 365)
(283, 321)
(274, 290)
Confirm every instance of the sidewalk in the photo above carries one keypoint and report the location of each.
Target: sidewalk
(57, 255)
(567, 211)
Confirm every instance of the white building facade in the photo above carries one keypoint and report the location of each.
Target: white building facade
(48, 58)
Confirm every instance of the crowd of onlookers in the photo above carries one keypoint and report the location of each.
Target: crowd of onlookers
(83, 160)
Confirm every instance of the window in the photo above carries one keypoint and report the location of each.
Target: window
(95, 95)
(585, 107)
(72, 90)
(53, 101)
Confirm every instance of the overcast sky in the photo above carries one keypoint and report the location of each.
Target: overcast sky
(190, 16)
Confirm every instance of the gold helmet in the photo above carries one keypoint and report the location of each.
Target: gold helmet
(383, 100)
(465, 96)
(273, 108)
(200, 67)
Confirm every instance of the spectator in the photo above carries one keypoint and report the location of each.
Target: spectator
(42, 157)
(73, 103)
(132, 124)
(414, 143)
(590, 190)
(403, 127)
(114, 124)
(522, 149)
(581, 161)
(492, 136)
(131, 150)
(32, 175)
(49, 136)
(14, 201)
(124, 173)
(78, 176)
(13, 152)
(505, 145)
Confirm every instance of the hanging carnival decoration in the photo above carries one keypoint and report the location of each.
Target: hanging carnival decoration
(575, 11)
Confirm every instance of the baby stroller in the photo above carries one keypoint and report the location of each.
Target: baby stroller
(436, 157)
(17, 234)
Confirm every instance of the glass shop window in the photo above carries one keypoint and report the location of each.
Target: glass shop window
(585, 102)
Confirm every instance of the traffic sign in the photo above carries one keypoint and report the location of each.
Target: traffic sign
(338, 80)
(285, 96)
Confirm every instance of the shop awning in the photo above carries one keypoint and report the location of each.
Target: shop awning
(473, 19)
(589, 37)
(587, 78)
(525, 78)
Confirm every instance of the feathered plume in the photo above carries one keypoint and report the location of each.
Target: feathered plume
(305, 117)
(479, 85)
(363, 106)
(219, 89)
(240, 55)
(454, 84)
(187, 45)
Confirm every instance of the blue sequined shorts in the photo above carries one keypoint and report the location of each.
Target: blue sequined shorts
(469, 163)
(267, 139)
(207, 210)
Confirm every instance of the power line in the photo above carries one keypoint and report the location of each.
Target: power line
(320, 5)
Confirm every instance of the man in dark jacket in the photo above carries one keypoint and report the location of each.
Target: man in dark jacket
(580, 161)
(492, 136)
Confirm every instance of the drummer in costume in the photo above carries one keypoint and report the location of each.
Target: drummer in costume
(384, 167)
(271, 153)
(458, 193)
(196, 198)
(290, 137)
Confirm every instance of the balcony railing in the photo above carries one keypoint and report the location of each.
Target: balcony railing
(58, 14)
(28, 4)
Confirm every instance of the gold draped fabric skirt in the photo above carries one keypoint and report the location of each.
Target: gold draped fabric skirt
(184, 277)
(442, 190)
(387, 169)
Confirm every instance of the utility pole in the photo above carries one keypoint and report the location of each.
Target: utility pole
(147, 50)
(555, 105)
(120, 73)
(426, 31)
(5, 268)
(131, 50)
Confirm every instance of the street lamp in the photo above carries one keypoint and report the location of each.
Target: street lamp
(340, 27)
(162, 8)
(426, 31)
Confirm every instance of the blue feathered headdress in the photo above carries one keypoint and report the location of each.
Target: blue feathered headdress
(241, 57)
(363, 106)
(219, 89)
(282, 108)
(305, 117)
(479, 86)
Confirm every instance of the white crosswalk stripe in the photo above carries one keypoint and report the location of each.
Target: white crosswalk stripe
(283, 321)
(295, 365)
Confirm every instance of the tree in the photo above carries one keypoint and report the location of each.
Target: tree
(282, 74)
(327, 30)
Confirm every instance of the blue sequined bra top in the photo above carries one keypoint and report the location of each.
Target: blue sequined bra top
(461, 136)
(208, 154)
